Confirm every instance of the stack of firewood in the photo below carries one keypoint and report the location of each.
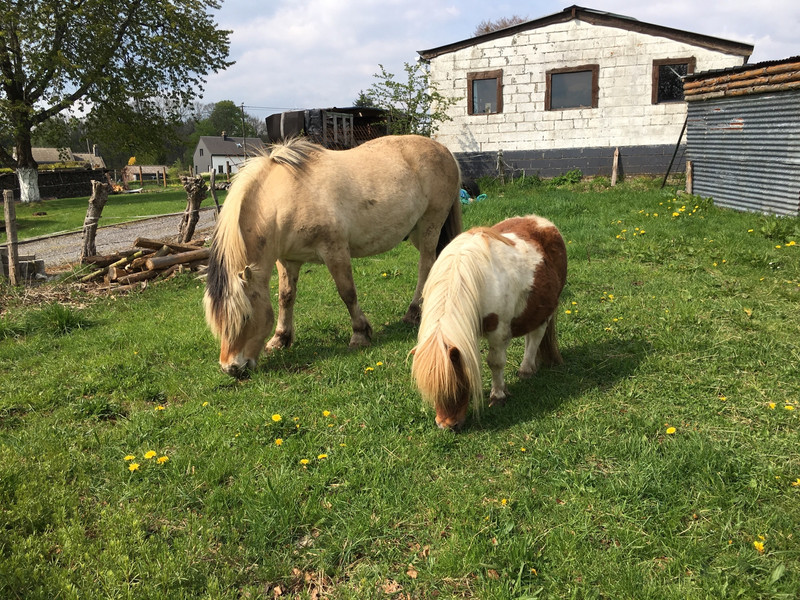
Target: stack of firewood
(147, 260)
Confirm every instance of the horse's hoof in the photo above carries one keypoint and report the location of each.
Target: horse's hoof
(279, 342)
(413, 316)
(357, 342)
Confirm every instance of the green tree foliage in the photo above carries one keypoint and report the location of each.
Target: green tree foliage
(364, 100)
(55, 55)
(413, 106)
(214, 119)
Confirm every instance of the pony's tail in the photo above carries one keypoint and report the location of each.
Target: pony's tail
(452, 226)
(444, 374)
(549, 354)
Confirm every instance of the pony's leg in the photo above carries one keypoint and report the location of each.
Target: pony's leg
(341, 270)
(496, 359)
(532, 341)
(288, 272)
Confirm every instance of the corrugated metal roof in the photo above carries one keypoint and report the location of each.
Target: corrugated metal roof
(745, 151)
(772, 76)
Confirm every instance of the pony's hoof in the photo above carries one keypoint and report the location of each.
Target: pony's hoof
(359, 341)
(498, 401)
(526, 373)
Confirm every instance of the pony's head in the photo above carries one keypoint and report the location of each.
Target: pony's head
(239, 315)
(441, 372)
(237, 304)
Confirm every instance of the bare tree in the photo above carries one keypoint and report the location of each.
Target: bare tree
(501, 23)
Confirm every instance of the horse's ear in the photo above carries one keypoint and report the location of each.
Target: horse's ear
(246, 274)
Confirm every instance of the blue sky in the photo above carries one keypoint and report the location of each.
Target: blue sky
(321, 53)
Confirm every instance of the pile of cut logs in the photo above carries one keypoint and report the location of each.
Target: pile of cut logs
(148, 259)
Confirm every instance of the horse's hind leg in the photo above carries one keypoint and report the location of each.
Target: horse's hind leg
(533, 339)
(496, 359)
(341, 270)
(288, 272)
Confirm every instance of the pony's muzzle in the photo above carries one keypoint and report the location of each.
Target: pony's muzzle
(239, 370)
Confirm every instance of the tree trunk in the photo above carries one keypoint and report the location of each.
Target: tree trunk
(196, 192)
(97, 201)
(28, 184)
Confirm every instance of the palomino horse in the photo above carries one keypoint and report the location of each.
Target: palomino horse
(303, 203)
(499, 282)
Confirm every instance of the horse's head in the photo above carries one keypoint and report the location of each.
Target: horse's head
(439, 372)
(239, 312)
(452, 403)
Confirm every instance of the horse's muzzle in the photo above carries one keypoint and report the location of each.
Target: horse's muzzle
(238, 370)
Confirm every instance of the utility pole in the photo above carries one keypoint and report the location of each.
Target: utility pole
(244, 138)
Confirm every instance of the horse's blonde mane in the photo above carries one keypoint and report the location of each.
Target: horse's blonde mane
(451, 318)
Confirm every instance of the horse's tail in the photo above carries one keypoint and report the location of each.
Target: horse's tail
(226, 304)
(549, 354)
(453, 224)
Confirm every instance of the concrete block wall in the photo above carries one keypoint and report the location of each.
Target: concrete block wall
(625, 115)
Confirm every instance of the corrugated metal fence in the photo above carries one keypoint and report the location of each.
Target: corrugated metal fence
(745, 151)
(743, 136)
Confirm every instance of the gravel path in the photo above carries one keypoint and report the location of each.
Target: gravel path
(63, 249)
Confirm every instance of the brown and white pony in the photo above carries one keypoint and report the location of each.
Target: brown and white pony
(302, 203)
(499, 283)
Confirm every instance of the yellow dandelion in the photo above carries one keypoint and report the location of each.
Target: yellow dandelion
(796, 483)
(788, 407)
(205, 403)
(772, 406)
(159, 407)
(723, 398)
(133, 467)
(759, 546)
(504, 501)
(384, 275)
(368, 369)
(322, 456)
(676, 214)
(149, 454)
(129, 457)
(326, 413)
(379, 364)
(276, 417)
(279, 441)
(670, 430)
(567, 312)
(522, 449)
(162, 459)
(304, 461)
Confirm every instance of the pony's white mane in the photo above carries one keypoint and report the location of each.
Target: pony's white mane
(452, 305)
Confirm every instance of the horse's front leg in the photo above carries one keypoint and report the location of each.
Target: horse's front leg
(496, 359)
(338, 263)
(288, 272)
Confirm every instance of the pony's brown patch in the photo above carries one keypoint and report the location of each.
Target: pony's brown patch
(490, 322)
(550, 275)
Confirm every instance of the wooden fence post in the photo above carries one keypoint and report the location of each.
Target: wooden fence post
(196, 192)
(615, 168)
(97, 201)
(689, 176)
(11, 236)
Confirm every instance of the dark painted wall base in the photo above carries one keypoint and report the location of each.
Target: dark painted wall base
(633, 160)
(62, 183)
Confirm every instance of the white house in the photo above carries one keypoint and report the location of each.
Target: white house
(223, 154)
(565, 90)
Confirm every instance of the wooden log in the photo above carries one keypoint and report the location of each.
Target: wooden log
(103, 260)
(137, 277)
(156, 245)
(615, 167)
(142, 262)
(104, 270)
(97, 201)
(689, 176)
(174, 259)
(10, 213)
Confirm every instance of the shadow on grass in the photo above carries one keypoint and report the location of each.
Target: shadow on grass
(593, 366)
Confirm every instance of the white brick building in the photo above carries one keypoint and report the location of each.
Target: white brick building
(565, 90)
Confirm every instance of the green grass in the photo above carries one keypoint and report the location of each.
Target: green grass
(575, 489)
(68, 214)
